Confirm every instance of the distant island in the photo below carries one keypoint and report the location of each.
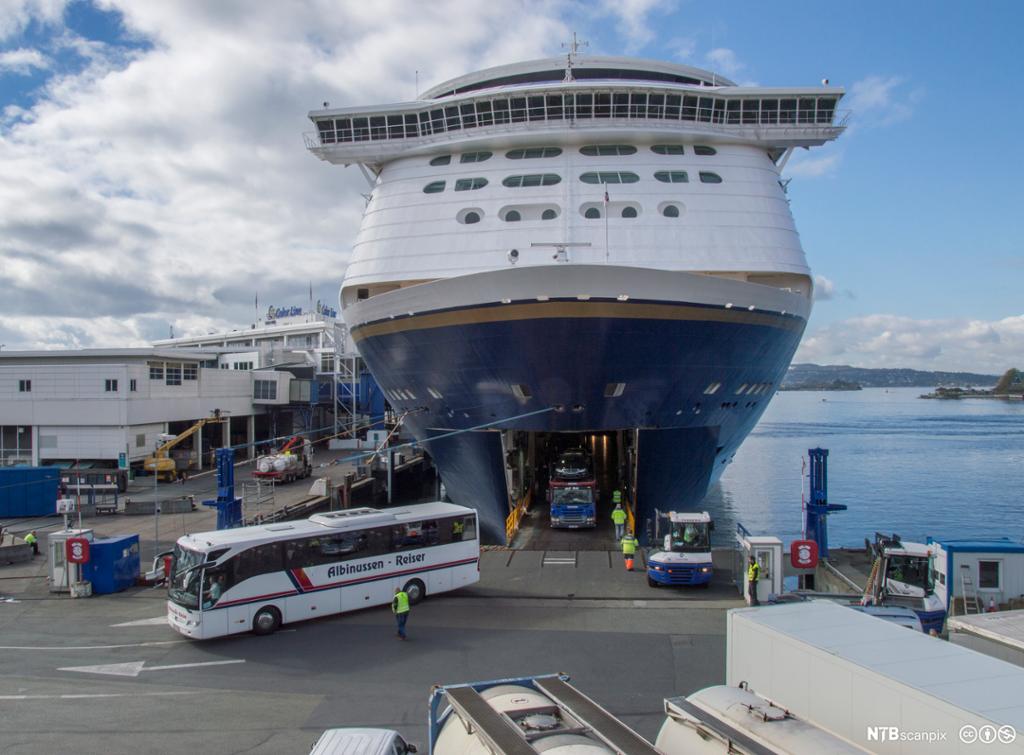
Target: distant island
(1009, 386)
(838, 377)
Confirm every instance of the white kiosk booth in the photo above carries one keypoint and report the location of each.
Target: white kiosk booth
(64, 575)
(768, 552)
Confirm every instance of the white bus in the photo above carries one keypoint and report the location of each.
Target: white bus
(257, 578)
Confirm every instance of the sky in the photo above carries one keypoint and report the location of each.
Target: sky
(153, 174)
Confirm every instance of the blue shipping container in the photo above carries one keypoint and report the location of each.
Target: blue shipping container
(113, 564)
(28, 491)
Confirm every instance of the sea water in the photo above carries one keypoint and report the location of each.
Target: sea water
(916, 467)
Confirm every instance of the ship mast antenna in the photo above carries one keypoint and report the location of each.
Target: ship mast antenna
(570, 58)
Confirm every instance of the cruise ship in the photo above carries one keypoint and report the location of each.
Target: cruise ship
(579, 251)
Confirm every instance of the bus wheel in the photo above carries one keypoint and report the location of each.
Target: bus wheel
(266, 621)
(416, 591)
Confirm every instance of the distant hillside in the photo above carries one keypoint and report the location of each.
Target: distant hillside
(801, 375)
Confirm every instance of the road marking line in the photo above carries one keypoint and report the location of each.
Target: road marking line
(134, 668)
(93, 695)
(154, 622)
(94, 647)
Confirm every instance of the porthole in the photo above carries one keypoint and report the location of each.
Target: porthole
(475, 157)
(609, 177)
(434, 188)
(629, 212)
(513, 216)
(470, 184)
(442, 160)
(548, 215)
(670, 211)
(533, 152)
(607, 150)
(672, 176)
(710, 178)
(592, 213)
(701, 149)
(535, 179)
(470, 215)
(667, 149)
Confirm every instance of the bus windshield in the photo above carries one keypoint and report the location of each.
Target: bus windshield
(184, 584)
(689, 537)
(571, 495)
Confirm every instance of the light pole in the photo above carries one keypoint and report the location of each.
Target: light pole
(161, 439)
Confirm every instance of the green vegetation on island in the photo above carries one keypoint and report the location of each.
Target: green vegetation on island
(1009, 386)
(832, 385)
(801, 375)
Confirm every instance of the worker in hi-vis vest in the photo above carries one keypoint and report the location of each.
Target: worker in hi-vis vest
(31, 539)
(619, 519)
(628, 550)
(753, 575)
(400, 607)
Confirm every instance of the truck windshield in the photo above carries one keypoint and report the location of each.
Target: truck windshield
(184, 583)
(690, 536)
(571, 495)
(911, 570)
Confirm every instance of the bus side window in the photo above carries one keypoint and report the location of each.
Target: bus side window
(430, 532)
(260, 559)
(469, 528)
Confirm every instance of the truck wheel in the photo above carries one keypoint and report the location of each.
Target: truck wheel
(416, 591)
(651, 582)
(266, 621)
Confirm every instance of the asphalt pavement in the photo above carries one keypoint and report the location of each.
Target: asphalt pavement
(106, 674)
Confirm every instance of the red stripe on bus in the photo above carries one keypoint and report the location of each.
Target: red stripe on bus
(302, 579)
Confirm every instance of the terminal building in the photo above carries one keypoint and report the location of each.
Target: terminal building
(289, 372)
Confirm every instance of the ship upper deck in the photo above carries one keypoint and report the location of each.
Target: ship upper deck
(514, 102)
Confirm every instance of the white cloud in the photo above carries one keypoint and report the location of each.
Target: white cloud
(812, 167)
(173, 179)
(22, 60)
(894, 341)
(632, 19)
(683, 48)
(724, 60)
(15, 15)
(824, 289)
(882, 100)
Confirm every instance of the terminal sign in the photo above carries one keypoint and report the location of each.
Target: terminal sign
(803, 554)
(65, 505)
(77, 550)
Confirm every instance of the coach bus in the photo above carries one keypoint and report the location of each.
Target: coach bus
(258, 578)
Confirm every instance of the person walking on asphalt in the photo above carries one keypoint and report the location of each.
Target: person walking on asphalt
(619, 519)
(400, 607)
(628, 550)
(753, 575)
(31, 539)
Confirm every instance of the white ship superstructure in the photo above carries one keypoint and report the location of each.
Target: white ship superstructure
(599, 247)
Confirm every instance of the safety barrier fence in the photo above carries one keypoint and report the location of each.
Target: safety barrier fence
(515, 517)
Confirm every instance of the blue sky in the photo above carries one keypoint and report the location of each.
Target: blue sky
(141, 141)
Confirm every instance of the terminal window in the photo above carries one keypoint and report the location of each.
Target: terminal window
(110, 386)
(988, 575)
(265, 389)
(24, 386)
(190, 371)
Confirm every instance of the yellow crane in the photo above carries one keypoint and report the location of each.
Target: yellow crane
(163, 464)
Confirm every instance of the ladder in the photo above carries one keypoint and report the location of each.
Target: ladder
(869, 586)
(972, 604)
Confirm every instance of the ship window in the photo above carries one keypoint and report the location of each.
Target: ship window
(471, 217)
(700, 149)
(548, 215)
(741, 389)
(532, 152)
(535, 179)
(470, 184)
(513, 216)
(606, 150)
(521, 390)
(667, 149)
(475, 157)
(614, 390)
(710, 178)
(435, 393)
(442, 160)
(787, 111)
(629, 212)
(609, 177)
(434, 187)
(670, 211)
(592, 213)
(712, 389)
(672, 176)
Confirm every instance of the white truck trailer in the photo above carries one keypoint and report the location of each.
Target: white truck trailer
(875, 684)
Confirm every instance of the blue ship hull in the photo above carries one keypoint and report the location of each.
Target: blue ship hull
(552, 366)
